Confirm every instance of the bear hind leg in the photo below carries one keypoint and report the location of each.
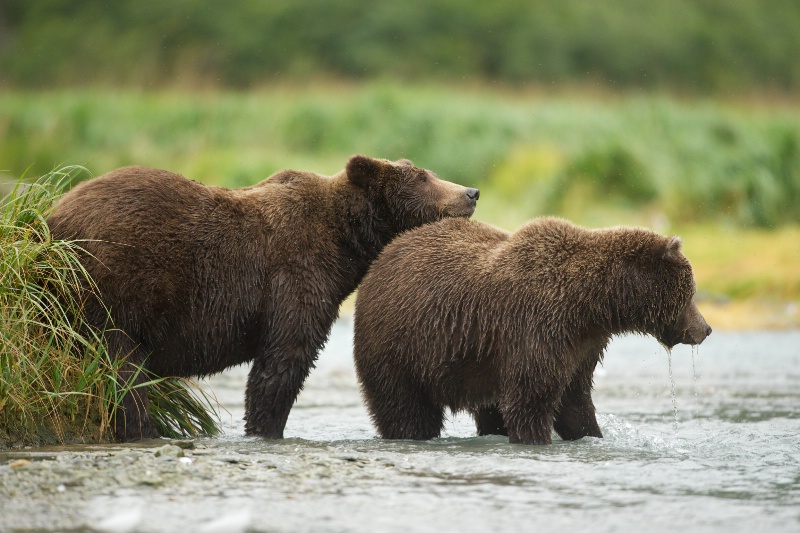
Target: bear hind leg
(403, 411)
(132, 419)
(489, 420)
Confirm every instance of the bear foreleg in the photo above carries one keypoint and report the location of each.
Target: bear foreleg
(273, 385)
(536, 430)
(529, 414)
(576, 415)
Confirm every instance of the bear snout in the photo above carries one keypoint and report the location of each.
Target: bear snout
(691, 328)
(458, 201)
(699, 335)
(697, 328)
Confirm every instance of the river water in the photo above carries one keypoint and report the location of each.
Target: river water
(723, 456)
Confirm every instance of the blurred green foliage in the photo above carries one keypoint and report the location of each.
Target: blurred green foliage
(693, 46)
(627, 160)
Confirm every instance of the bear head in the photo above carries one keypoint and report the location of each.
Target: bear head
(682, 322)
(407, 196)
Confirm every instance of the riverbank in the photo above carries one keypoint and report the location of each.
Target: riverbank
(751, 315)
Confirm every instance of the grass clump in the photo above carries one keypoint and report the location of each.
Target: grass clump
(58, 382)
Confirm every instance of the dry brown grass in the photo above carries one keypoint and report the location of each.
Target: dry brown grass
(751, 314)
(746, 278)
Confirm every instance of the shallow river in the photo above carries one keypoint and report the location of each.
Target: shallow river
(723, 456)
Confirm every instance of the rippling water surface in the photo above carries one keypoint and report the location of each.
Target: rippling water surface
(728, 461)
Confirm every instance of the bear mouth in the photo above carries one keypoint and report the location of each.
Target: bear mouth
(686, 336)
(462, 212)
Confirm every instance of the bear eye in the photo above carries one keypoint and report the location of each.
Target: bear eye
(423, 177)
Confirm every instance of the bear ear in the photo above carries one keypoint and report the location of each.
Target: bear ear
(673, 250)
(362, 169)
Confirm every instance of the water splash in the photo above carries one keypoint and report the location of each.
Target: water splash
(620, 434)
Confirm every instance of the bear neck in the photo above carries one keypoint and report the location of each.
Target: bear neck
(363, 229)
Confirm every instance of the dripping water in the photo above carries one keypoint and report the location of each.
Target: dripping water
(672, 388)
(694, 377)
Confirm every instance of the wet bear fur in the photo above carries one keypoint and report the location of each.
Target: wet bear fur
(200, 278)
(510, 326)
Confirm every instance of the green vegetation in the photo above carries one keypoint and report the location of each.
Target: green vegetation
(694, 46)
(640, 159)
(58, 383)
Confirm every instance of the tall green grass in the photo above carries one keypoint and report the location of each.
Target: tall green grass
(596, 160)
(58, 381)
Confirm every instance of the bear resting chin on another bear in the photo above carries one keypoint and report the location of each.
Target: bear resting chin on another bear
(197, 279)
(510, 326)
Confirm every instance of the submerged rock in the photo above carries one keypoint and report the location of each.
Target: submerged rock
(169, 451)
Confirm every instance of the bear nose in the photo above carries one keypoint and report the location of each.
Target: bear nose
(473, 194)
(708, 331)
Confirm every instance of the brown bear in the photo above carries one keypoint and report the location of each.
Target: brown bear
(200, 278)
(510, 326)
